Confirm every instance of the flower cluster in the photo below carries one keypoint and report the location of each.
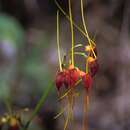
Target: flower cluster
(69, 77)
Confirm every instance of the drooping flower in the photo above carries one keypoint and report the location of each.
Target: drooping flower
(87, 81)
(92, 65)
(68, 77)
(73, 75)
(60, 76)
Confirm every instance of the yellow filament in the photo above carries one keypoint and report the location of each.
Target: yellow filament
(85, 28)
(75, 25)
(87, 100)
(59, 114)
(85, 108)
(72, 32)
(66, 122)
(68, 115)
(87, 67)
(58, 41)
(66, 93)
(71, 102)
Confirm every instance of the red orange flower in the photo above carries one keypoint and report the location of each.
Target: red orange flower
(92, 65)
(87, 81)
(67, 77)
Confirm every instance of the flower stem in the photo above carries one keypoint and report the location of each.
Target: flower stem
(85, 108)
(72, 32)
(39, 104)
(75, 25)
(87, 67)
(58, 41)
(85, 28)
(64, 13)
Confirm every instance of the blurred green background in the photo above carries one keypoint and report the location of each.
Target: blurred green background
(29, 62)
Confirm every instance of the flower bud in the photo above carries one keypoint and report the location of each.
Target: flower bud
(88, 49)
(87, 81)
(71, 77)
(60, 79)
(93, 66)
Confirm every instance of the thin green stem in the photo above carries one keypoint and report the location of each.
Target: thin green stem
(76, 26)
(81, 54)
(78, 45)
(58, 41)
(85, 28)
(72, 32)
(70, 51)
(39, 104)
(83, 20)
